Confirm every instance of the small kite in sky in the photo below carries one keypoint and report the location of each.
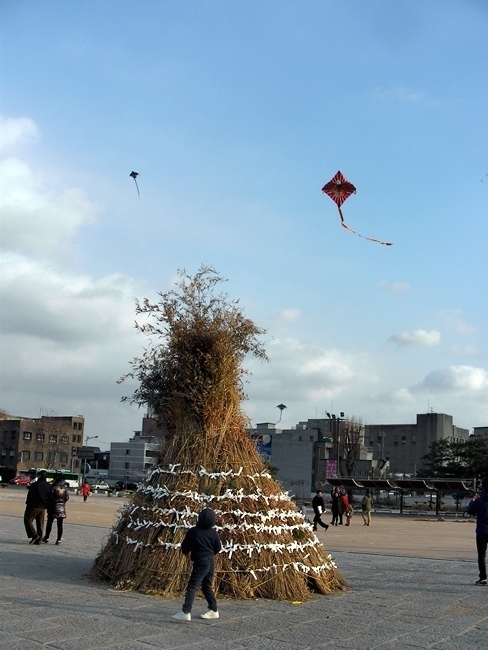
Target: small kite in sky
(339, 189)
(134, 175)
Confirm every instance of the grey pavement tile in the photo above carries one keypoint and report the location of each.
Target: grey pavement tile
(411, 603)
(21, 624)
(265, 643)
(20, 644)
(132, 645)
(458, 644)
(87, 631)
(170, 640)
(364, 642)
(194, 640)
(210, 645)
(400, 645)
(92, 642)
(311, 634)
(424, 639)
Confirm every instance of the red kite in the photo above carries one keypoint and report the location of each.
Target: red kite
(339, 189)
(134, 175)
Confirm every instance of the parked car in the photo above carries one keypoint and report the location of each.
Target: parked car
(100, 486)
(20, 480)
(122, 485)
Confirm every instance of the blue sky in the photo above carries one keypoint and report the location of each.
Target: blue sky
(235, 115)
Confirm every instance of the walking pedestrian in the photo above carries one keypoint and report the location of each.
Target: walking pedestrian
(342, 512)
(345, 507)
(366, 506)
(37, 501)
(318, 505)
(335, 505)
(85, 491)
(479, 506)
(202, 543)
(57, 509)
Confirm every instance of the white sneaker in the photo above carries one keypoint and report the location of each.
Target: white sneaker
(181, 616)
(209, 614)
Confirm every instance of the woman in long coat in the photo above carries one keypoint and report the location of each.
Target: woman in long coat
(57, 508)
(335, 505)
(346, 508)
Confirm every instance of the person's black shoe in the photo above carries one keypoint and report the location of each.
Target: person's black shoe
(45, 540)
(37, 541)
(326, 527)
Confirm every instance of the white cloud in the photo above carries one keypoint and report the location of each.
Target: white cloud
(463, 351)
(455, 378)
(403, 95)
(36, 219)
(418, 337)
(65, 338)
(395, 287)
(453, 319)
(67, 310)
(300, 374)
(16, 130)
(289, 315)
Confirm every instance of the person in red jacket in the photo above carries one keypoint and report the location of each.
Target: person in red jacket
(85, 491)
(345, 507)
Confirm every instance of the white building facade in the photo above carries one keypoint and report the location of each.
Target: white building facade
(131, 461)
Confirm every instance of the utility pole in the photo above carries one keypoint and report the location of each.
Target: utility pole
(335, 427)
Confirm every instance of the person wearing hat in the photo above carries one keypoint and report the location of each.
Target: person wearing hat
(38, 498)
(366, 506)
(201, 543)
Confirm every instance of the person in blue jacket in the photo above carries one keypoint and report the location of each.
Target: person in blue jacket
(479, 506)
(202, 542)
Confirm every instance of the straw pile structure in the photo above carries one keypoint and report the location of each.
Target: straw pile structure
(193, 381)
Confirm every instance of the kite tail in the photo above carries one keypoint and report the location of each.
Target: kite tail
(383, 243)
(344, 225)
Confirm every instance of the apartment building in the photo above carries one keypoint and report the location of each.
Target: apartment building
(49, 441)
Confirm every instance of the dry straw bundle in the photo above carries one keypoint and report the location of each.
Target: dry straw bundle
(192, 378)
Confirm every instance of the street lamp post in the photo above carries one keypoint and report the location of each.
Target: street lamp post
(84, 459)
(336, 433)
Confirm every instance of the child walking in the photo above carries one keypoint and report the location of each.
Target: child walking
(202, 542)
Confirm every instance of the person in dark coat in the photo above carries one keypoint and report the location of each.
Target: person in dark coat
(37, 501)
(479, 507)
(57, 508)
(335, 506)
(202, 543)
(318, 505)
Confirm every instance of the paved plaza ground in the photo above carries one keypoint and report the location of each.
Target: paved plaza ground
(410, 585)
